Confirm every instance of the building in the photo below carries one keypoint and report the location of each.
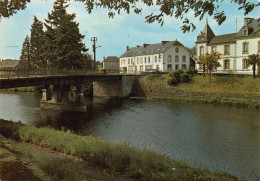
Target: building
(111, 64)
(8, 64)
(165, 57)
(234, 47)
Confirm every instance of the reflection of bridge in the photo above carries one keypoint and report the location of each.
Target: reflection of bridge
(60, 96)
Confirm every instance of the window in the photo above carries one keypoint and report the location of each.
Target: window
(183, 58)
(183, 66)
(245, 47)
(226, 64)
(213, 49)
(176, 50)
(176, 67)
(245, 32)
(157, 67)
(149, 59)
(244, 64)
(142, 60)
(155, 59)
(141, 68)
(137, 61)
(129, 61)
(200, 66)
(258, 46)
(176, 58)
(145, 59)
(226, 49)
(148, 68)
(169, 59)
(201, 51)
(169, 67)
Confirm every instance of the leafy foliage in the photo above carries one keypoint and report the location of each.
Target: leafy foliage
(253, 60)
(185, 78)
(178, 76)
(210, 61)
(177, 9)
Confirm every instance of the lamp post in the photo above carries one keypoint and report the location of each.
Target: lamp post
(94, 39)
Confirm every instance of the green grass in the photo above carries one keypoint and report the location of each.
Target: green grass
(120, 158)
(223, 84)
(231, 102)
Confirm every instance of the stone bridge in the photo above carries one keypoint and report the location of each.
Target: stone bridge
(58, 94)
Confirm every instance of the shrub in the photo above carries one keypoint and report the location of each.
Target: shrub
(176, 73)
(172, 81)
(185, 77)
(192, 72)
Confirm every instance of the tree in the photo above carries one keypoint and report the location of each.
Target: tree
(8, 8)
(171, 8)
(66, 49)
(210, 61)
(37, 41)
(26, 54)
(253, 60)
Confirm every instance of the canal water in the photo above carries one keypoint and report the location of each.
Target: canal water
(217, 137)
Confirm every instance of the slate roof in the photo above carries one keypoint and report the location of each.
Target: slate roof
(253, 26)
(206, 35)
(227, 38)
(150, 49)
(9, 63)
(111, 59)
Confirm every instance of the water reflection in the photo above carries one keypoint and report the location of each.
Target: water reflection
(219, 137)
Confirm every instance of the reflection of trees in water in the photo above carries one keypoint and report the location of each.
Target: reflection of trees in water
(80, 122)
(245, 116)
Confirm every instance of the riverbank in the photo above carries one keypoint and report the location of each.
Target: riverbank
(237, 91)
(115, 158)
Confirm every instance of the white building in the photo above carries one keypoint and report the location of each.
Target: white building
(234, 47)
(165, 57)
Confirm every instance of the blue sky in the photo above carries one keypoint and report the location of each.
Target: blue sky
(114, 34)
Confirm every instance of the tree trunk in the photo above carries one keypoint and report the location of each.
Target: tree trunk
(210, 76)
(254, 65)
(204, 70)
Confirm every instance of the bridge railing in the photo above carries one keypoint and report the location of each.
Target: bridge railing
(49, 72)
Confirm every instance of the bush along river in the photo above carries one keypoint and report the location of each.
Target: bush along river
(217, 137)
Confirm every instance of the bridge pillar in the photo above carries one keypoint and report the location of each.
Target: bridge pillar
(118, 89)
(63, 98)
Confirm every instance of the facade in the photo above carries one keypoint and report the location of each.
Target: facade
(234, 47)
(111, 64)
(165, 57)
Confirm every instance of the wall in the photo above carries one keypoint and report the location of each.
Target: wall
(119, 88)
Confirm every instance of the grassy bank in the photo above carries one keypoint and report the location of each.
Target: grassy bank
(119, 158)
(230, 102)
(219, 84)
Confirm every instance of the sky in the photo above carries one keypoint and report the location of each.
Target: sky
(114, 34)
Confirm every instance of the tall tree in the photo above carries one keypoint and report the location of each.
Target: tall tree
(210, 61)
(253, 60)
(37, 40)
(67, 49)
(171, 8)
(26, 54)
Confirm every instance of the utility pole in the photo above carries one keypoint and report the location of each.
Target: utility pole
(94, 39)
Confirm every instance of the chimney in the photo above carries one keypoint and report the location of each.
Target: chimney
(127, 48)
(145, 45)
(247, 20)
(164, 42)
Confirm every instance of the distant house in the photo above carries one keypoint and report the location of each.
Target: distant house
(165, 57)
(8, 64)
(111, 64)
(234, 47)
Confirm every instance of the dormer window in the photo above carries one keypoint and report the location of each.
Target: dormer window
(245, 32)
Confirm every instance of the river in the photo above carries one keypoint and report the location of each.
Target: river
(217, 137)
